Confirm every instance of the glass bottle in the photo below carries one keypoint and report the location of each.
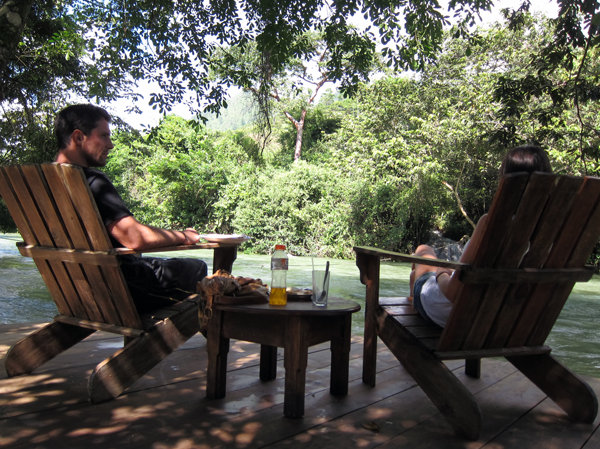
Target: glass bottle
(279, 269)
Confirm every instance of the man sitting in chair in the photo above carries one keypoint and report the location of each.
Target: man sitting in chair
(83, 136)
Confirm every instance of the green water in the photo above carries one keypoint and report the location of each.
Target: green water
(575, 339)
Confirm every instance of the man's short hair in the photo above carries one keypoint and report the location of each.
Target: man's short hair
(84, 117)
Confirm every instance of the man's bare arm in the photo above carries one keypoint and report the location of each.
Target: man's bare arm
(135, 235)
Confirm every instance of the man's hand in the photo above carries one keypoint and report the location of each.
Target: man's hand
(191, 236)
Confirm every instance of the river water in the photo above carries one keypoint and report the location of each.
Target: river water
(575, 339)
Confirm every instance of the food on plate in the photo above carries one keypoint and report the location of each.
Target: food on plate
(298, 291)
(222, 283)
(246, 281)
(219, 283)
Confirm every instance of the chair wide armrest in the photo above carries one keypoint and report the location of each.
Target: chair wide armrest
(410, 258)
(163, 249)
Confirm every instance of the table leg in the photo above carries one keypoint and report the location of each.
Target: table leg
(268, 362)
(224, 257)
(295, 360)
(340, 358)
(217, 348)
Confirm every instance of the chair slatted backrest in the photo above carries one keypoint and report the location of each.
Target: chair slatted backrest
(537, 221)
(57, 217)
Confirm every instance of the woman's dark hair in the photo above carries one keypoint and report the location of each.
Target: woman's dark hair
(526, 158)
(84, 117)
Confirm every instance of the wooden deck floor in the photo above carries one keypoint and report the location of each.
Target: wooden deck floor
(168, 409)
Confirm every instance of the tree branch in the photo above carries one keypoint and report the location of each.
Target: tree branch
(291, 119)
(581, 124)
(318, 86)
(13, 16)
(459, 202)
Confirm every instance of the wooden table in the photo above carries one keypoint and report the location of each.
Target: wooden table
(294, 327)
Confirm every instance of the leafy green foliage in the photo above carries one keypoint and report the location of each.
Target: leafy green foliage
(441, 129)
(44, 64)
(382, 168)
(321, 121)
(168, 43)
(239, 113)
(563, 77)
(26, 137)
(172, 177)
(292, 83)
(47, 52)
(306, 207)
(393, 217)
(6, 222)
(99, 50)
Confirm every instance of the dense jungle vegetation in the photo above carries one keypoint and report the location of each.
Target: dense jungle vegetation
(384, 168)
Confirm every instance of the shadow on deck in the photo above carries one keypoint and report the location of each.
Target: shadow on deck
(167, 408)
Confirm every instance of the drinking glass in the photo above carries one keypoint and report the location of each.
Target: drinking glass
(320, 285)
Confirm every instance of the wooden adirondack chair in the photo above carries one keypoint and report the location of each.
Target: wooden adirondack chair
(509, 303)
(57, 217)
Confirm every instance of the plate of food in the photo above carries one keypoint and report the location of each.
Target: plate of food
(299, 294)
(225, 238)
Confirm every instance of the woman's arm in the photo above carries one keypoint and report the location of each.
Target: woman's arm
(449, 285)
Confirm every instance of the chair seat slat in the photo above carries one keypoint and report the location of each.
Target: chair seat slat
(118, 290)
(401, 310)
(395, 301)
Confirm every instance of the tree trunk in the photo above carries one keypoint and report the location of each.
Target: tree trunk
(299, 134)
(13, 16)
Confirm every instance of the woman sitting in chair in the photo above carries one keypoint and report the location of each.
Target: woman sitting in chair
(434, 289)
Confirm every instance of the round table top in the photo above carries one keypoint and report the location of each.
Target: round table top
(335, 306)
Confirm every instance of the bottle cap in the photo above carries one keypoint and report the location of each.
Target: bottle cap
(279, 247)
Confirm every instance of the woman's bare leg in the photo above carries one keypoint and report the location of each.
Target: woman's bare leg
(419, 269)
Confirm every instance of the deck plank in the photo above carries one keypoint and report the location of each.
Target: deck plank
(139, 410)
(594, 441)
(66, 382)
(394, 416)
(167, 408)
(547, 426)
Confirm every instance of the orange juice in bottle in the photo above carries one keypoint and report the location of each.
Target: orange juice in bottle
(278, 297)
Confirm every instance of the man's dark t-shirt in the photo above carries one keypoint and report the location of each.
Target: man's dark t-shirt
(109, 202)
(153, 282)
